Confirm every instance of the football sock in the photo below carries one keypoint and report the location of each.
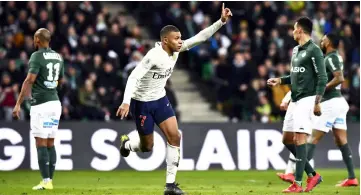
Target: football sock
(291, 164)
(301, 159)
(133, 145)
(172, 159)
(347, 158)
(43, 161)
(310, 151)
(308, 168)
(52, 161)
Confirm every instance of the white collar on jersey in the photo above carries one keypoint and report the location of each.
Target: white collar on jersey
(158, 45)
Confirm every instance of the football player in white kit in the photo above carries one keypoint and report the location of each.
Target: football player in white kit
(334, 108)
(146, 99)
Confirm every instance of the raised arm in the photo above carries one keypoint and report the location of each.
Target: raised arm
(207, 32)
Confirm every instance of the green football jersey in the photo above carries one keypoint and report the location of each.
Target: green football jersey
(333, 63)
(308, 74)
(49, 68)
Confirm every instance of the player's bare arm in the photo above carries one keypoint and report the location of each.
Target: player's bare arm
(208, 32)
(25, 89)
(337, 79)
(273, 82)
(285, 101)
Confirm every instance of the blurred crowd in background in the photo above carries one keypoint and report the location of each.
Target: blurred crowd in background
(100, 50)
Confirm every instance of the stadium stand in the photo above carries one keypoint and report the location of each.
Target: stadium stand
(101, 48)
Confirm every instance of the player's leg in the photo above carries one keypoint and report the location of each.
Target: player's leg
(55, 120)
(287, 140)
(340, 136)
(145, 127)
(40, 131)
(302, 127)
(169, 128)
(52, 157)
(165, 118)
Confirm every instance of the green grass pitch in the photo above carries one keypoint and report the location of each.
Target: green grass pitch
(215, 182)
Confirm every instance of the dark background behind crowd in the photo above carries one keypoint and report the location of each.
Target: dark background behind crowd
(100, 49)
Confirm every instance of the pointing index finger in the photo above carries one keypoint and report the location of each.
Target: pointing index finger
(222, 6)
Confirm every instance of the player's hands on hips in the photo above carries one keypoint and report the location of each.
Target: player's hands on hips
(284, 106)
(317, 110)
(273, 82)
(123, 111)
(226, 13)
(16, 112)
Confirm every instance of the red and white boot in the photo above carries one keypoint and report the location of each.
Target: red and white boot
(289, 177)
(348, 183)
(294, 188)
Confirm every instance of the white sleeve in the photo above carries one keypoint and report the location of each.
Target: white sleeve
(287, 98)
(201, 36)
(140, 70)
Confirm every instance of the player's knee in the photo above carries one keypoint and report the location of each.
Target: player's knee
(40, 142)
(146, 147)
(174, 140)
(340, 140)
(50, 143)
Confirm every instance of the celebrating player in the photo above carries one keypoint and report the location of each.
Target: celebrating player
(145, 95)
(46, 67)
(308, 81)
(334, 109)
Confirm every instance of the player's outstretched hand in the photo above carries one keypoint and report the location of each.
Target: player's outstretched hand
(226, 13)
(123, 111)
(16, 112)
(273, 82)
(317, 110)
(284, 106)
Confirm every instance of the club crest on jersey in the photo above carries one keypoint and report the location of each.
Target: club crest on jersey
(304, 54)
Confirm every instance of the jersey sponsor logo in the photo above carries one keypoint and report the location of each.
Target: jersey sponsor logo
(298, 69)
(329, 124)
(51, 124)
(51, 84)
(166, 74)
(52, 56)
(339, 121)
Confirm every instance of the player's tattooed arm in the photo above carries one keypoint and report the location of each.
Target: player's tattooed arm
(337, 79)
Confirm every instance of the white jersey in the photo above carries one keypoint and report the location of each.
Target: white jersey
(148, 79)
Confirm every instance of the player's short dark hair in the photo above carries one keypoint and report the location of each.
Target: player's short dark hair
(43, 34)
(306, 24)
(334, 39)
(168, 29)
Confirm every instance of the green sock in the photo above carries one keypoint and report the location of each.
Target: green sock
(52, 162)
(301, 160)
(310, 151)
(308, 168)
(347, 158)
(43, 160)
